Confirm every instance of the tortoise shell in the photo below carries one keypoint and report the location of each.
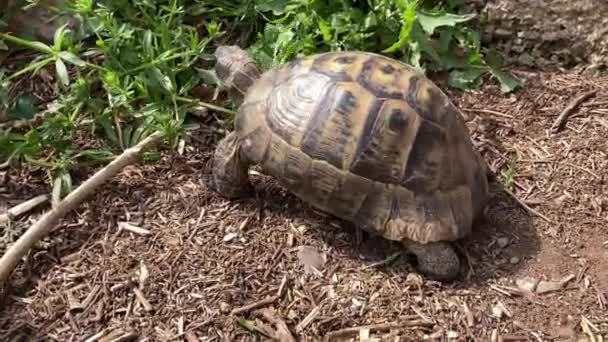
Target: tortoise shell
(366, 138)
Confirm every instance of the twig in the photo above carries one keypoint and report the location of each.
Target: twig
(308, 319)
(563, 116)
(249, 325)
(23, 208)
(39, 229)
(133, 228)
(488, 111)
(254, 305)
(527, 207)
(377, 327)
(142, 299)
(283, 334)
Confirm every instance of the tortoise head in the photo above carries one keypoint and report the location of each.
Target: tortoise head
(236, 69)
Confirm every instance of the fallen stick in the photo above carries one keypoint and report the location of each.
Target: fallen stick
(39, 229)
(377, 327)
(527, 207)
(563, 116)
(254, 305)
(23, 208)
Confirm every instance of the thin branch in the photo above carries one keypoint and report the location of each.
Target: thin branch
(563, 116)
(377, 327)
(41, 228)
(527, 207)
(254, 305)
(23, 208)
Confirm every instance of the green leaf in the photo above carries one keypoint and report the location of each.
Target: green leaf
(325, 30)
(147, 43)
(277, 7)
(62, 72)
(59, 36)
(409, 18)
(23, 108)
(72, 58)
(430, 21)
(508, 83)
(467, 78)
(163, 79)
(67, 183)
(57, 190)
(41, 47)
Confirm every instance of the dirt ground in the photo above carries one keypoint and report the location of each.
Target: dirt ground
(550, 34)
(207, 268)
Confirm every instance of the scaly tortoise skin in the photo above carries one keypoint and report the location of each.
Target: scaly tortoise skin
(360, 136)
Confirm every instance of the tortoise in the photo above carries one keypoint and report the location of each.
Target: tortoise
(362, 137)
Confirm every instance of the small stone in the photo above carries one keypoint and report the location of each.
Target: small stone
(526, 59)
(414, 279)
(514, 260)
(451, 334)
(502, 241)
(225, 307)
(497, 312)
(229, 237)
(500, 261)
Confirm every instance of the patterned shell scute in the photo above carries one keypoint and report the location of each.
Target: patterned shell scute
(369, 139)
(361, 112)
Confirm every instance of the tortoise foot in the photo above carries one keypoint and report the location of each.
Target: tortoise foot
(230, 169)
(436, 260)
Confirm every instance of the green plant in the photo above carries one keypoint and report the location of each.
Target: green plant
(128, 68)
(132, 81)
(424, 35)
(508, 174)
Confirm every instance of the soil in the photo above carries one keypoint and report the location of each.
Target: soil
(550, 34)
(204, 256)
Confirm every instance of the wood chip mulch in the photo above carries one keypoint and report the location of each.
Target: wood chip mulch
(156, 256)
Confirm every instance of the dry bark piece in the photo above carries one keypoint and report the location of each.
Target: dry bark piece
(552, 286)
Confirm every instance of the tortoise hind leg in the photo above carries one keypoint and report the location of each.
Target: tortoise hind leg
(437, 260)
(230, 168)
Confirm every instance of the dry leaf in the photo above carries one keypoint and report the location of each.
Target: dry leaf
(311, 258)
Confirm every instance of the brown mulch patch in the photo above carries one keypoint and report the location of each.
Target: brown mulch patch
(204, 256)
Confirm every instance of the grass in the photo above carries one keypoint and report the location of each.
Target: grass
(128, 68)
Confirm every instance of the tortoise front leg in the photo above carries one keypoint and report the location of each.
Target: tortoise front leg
(230, 168)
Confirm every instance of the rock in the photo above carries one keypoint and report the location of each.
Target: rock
(514, 260)
(525, 59)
